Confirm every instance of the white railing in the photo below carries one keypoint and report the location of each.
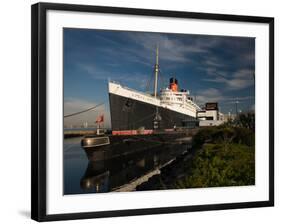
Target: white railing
(133, 90)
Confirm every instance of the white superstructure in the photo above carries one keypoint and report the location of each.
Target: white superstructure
(178, 101)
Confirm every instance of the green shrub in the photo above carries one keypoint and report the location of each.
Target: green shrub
(224, 156)
(213, 167)
(244, 136)
(224, 134)
(203, 135)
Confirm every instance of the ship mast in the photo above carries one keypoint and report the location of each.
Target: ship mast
(156, 70)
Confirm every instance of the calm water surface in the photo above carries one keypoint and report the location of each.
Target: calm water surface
(82, 175)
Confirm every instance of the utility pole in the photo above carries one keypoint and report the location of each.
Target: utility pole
(236, 107)
(156, 73)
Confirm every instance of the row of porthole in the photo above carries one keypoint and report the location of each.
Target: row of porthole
(167, 98)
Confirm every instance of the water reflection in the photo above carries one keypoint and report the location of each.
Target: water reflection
(116, 166)
(108, 175)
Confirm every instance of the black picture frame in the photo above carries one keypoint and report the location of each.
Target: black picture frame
(38, 108)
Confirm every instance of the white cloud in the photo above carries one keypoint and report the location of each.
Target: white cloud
(101, 74)
(240, 79)
(216, 95)
(172, 50)
(209, 95)
(214, 62)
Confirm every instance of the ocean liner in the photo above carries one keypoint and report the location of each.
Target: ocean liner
(134, 112)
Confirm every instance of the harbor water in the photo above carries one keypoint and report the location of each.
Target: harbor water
(117, 173)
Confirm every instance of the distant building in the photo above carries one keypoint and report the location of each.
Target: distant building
(222, 117)
(210, 115)
(85, 124)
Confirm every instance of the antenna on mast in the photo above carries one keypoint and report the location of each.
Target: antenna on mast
(156, 70)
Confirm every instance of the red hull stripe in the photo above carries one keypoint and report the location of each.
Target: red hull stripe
(132, 132)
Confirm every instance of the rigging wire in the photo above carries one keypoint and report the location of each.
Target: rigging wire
(149, 81)
(162, 82)
(83, 111)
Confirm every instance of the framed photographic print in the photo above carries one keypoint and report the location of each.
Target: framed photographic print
(138, 111)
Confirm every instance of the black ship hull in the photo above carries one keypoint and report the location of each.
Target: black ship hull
(129, 114)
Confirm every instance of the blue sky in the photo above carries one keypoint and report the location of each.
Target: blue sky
(213, 68)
